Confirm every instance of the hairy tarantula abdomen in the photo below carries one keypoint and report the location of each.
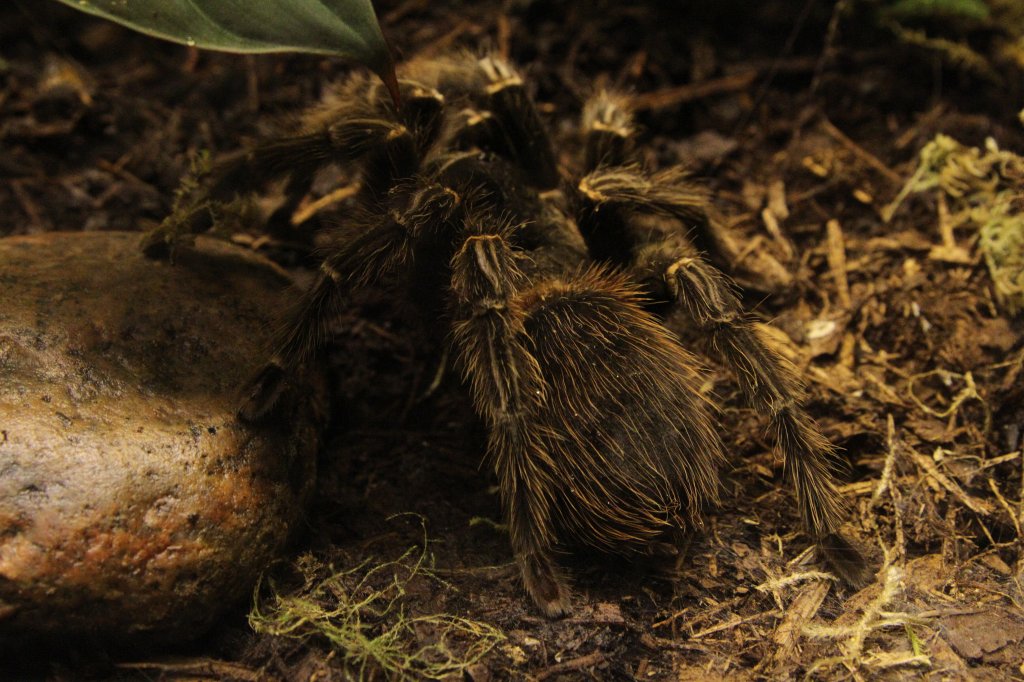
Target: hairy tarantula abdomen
(549, 286)
(632, 468)
(573, 440)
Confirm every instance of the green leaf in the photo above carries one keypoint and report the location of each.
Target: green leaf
(346, 28)
(924, 9)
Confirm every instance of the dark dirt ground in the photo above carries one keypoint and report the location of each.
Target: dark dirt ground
(912, 368)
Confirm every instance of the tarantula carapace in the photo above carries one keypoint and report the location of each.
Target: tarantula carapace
(549, 292)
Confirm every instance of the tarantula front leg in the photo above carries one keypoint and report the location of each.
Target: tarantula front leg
(360, 127)
(376, 253)
(608, 131)
(669, 192)
(614, 177)
(500, 117)
(204, 195)
(518, 132)
(507, 388)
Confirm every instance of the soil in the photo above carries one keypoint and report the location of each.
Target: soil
(805, 124)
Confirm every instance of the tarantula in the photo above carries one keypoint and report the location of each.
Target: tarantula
(550, 293)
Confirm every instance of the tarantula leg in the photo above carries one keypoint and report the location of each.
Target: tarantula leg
(619, 210)
(297, 157)
(507, 389)
(373, 255)
(401, 151)
(178, 229)
(626, 190)
(367, 259)
(519, 133)
(773, 389)
(608, 131)
(356, 126)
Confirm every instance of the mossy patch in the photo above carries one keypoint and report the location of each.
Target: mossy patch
(361, 614)
(984, 190)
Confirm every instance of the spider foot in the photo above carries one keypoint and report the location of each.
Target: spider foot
(176, 231)
(263, 393)
(845, 561)
(161, 242)
(184, 224)
(545, 584)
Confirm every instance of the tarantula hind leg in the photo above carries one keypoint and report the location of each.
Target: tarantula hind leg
(771, 386)
(616, 207)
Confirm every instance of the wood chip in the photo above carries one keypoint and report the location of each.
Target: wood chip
(976, 505)
(800, 611)
(837, 261)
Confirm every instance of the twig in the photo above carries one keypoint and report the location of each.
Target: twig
(655, 643)
(202, 667)
(1006, 505)
(927, 119)
(829, 48)
(729, 625)
(978, 506)
(713, 611)
(861, 153)
(575, 664)
(948, 251)
(1016, 363)
(969, 391)
(668, 97)
(252, 84)
(996, 461)
(405, 8)
(890, 460)
(28, 206)
(304, 213)
(504, 36)
(444, 42)
(117, 170)
(501, 571)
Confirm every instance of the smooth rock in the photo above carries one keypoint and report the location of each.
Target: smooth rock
(133, 504)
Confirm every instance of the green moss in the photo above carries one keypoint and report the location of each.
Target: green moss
(923, 9)
(985, 190)
(952, 30)
(1002, 244)
(361, 614)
